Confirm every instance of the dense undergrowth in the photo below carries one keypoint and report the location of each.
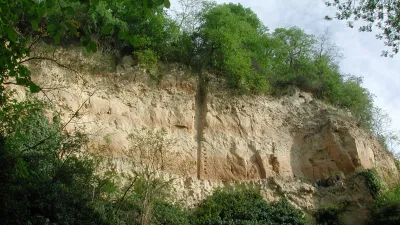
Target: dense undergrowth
(384, 210)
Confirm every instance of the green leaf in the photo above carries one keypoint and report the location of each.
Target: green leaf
(147, 12)
(32, 11)
(107, 29)
(34, 88)
(57, 38)
(40, 12)
(167, 4)
(35, 25)
(51, 27)
(11, 34)
(69, 10)
(85, 41)
(155, 4)
(20, 168)
(72, 29)
(145, 4)
(22, 81)
(122, 35)
(86, 8)
(50, 3)
(136, 42)
(94, 2)
(93, 46)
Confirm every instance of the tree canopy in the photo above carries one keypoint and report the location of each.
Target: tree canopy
(231, 35)
(24, 22)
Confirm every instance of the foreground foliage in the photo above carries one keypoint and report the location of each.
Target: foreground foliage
(245, 206)
(331, 214)
(24, 23)
(386, 210)
(42, 181)
(383, 15)
(372, 182)
(46, 178)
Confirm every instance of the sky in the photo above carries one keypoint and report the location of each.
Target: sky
(361, 51)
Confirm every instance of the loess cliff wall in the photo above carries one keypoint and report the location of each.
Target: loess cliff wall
(284, 145)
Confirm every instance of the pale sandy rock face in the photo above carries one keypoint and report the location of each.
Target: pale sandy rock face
(280, 144)
(294, 136)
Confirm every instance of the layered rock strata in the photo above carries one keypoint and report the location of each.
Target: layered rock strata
(282, 145)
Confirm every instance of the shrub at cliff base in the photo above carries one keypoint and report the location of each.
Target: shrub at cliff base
(42, 181)
(331, 214)
(245, 206)
(386, 210)
(169, 214)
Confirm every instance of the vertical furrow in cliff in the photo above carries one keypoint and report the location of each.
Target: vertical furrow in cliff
(200, 116)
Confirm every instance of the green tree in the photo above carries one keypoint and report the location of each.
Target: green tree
(169, 214)
(384, 15)
(292, 57)
(30, 21)
(331, 214)
(296, 45)
(22, 26)
(380, 127)
(134, 28)
(244, 206)
(357, 99)
(45, 178)
(386, 210)
(228, 38)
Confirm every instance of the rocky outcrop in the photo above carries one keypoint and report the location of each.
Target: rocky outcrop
(282, 145)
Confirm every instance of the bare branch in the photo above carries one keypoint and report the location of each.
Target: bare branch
(53, 134)
(49, 59)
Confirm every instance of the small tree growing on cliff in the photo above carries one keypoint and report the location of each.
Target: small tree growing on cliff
(149, 151)
(380, 127)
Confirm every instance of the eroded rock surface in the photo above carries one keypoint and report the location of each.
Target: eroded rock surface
(282, 145)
